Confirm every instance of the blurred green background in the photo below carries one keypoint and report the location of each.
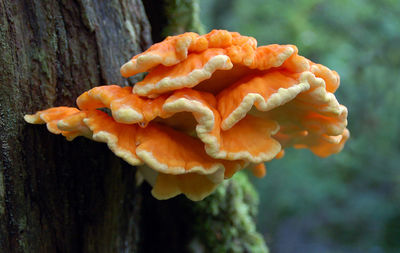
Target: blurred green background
(349, 202)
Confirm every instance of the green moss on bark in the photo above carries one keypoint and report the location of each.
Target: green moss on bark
(225, 221)
(183, 16)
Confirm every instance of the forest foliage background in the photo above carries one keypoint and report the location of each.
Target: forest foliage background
(349, 202)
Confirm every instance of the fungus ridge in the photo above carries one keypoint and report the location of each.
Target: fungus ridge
(236, 143)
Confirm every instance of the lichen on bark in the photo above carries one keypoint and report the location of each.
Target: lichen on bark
(225, 221)
(171, 17)
(183, 16)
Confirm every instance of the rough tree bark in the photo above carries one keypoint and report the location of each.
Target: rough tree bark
(59, 196)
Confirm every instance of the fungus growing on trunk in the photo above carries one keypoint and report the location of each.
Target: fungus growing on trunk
(209, 106)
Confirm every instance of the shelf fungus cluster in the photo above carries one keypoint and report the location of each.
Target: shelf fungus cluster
(209, 106)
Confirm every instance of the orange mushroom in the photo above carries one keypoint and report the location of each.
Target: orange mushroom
(210, 106)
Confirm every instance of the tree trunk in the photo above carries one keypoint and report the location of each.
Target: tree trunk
(59, 196)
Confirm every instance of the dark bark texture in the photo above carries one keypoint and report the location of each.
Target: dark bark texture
(59, 196)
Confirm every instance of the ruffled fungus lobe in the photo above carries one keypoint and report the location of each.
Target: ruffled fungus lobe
(209, 106)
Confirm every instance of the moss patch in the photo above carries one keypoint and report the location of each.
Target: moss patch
(182, 16)
(225, 221)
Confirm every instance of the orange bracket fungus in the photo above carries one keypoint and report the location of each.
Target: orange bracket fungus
(209, 106)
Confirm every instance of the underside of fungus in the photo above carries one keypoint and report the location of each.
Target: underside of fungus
(209, 106)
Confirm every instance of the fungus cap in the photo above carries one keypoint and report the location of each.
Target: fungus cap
(209, 106)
